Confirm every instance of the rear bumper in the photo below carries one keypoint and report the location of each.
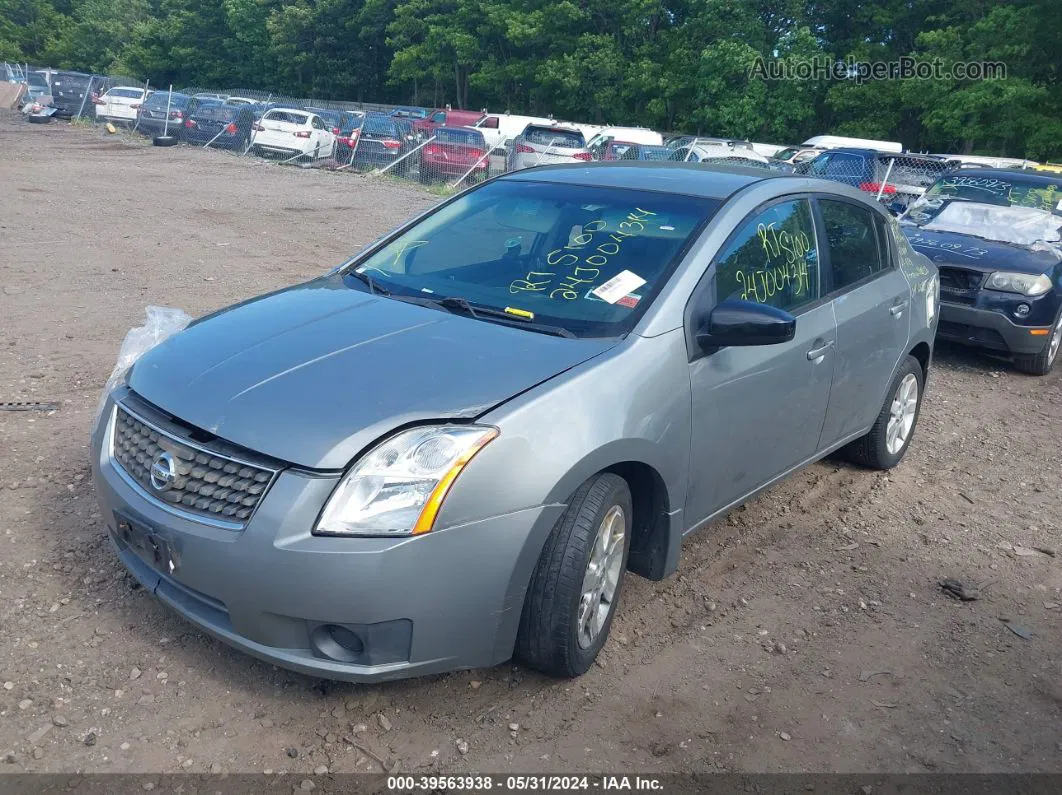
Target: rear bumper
(989, 329)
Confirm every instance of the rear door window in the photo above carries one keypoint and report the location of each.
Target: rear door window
(851, 234)
(772, 259)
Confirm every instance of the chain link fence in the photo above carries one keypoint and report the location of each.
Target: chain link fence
(446, 149)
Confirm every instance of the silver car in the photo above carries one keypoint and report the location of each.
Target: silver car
(544, 145)
(451, 449)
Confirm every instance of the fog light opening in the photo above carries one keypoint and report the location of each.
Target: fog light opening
(337, 643)
(1022, 310)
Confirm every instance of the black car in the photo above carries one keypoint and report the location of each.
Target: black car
(152, 114)
(645, 152)
(994, 236)
(896, 179)
(72, 93)
(220, 125)
(381, 140)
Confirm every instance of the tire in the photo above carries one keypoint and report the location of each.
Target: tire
(873, 450)
(39, 119)
(425, 175)
(1043, 362)
(164, 140)
(552, 638)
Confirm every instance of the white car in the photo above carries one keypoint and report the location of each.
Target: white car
(630, 135)
(499, 129)
(290, 132)
(541, 144)
(120, 104)
(701, 149)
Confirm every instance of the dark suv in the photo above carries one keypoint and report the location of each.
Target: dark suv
(994, 235)
(72, 93)
(895, 179)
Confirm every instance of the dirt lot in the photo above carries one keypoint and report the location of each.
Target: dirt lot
(804, 632)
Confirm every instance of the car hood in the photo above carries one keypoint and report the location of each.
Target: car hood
(314, 374)
(952, 248)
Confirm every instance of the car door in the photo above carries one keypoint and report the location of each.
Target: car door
(871, 301)
(758, 411)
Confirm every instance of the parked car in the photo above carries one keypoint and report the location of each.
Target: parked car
(222, 126)
(896, 179)
(708, 149)
(499, 129)
(995, 236)
(119, 103)
(540, 145)
(323, 476)
(645, 152)
(795, 155)
(152, 114)
(423, 128)
(381, 140)
(843, 142)
(456, 151)
(410, 113)
(289, 132)
(599, 144)
(72, 93)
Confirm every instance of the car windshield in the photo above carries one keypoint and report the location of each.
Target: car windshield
(218, 113)
(578, 258)
(449, 136)
(653, 153)
(157, 101)
(380, 125)
(548, 136)
(1000, 190)
(286, 116)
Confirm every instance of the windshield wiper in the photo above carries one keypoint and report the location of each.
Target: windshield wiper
(454, 303)
(374, 287)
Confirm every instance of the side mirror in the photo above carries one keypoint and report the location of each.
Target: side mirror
(742, 323)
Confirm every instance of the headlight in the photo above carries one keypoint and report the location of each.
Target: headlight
(1023, 283)
(398, 487)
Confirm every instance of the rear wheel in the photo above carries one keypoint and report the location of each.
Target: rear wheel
(576, 585)
(1041, 363)
(887, 442)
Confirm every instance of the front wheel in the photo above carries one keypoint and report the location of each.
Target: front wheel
(1041, 363)
(887, 442)
(574, 590)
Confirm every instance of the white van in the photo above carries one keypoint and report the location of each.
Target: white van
(840, 141)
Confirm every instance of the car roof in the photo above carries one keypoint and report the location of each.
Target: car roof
(691, 179)
(1036, 177)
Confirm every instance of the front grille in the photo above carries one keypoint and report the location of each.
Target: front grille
(206, 484)
(959, 285)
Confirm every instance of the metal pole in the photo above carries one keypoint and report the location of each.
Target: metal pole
(884, 182)
(354, 149)
(147, 85)
(84, 97)
(474, 166)
(208, 143)
(166, 122)
(394, 163)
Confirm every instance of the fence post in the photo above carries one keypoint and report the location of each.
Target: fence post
(147, 86)
(474, 166)
(166, 121)
(394, 163)
(884, 182)
(85, 96)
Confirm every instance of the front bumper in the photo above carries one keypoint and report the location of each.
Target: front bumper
(986, 328)
(449, 599)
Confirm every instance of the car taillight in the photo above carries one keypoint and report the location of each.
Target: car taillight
(431, 150)
(874, 187)
(257, 127)
(190, 123)
(335, 131)
(302, 134)
(231, 128)
(582, 156)
(392, 144)
(524, 149)
(176, 114)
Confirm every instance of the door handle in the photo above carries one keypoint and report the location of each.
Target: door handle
(817, 353)
(897, 308)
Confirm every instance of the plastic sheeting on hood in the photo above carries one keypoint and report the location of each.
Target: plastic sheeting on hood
(1023, 226)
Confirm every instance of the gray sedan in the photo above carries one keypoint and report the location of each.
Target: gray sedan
(451, 449)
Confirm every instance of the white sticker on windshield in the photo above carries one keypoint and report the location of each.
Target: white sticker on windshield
(618, 286)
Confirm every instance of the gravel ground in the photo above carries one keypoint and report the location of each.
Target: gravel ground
(804, 632)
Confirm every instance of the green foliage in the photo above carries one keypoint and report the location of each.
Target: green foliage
(676, 65)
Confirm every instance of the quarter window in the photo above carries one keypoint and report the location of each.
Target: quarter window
(854, 251)
(772, 259)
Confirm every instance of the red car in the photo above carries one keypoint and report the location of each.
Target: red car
(445, 117)
(454, 152)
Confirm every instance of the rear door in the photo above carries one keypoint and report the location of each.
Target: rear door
(758, 411)
(871, 301)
